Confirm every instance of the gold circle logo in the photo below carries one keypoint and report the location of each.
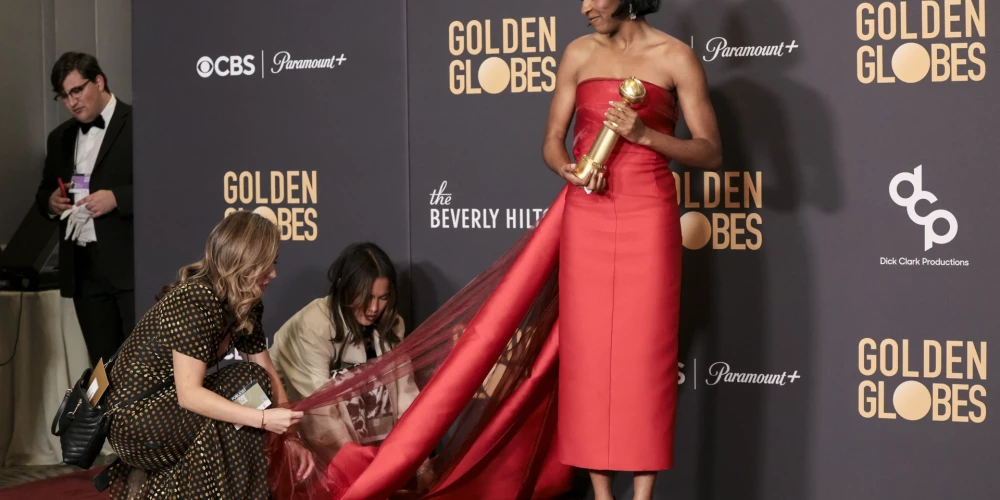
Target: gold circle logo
(911, 62)
(266, 213)
(494, 75)
(696, 230)
(912, 400)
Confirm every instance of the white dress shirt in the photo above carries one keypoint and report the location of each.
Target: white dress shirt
(85, 158)
(89, 144)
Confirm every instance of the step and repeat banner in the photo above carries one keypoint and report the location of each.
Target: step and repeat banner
(839, 278)
(296, 113)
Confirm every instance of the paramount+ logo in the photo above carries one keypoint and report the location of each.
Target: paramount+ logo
(941, 381)
(246, 65)
(916, 41)
(502, 55)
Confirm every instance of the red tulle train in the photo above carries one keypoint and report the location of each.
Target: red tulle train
(483, 425)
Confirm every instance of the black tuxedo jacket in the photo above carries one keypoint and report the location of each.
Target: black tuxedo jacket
(112, 171)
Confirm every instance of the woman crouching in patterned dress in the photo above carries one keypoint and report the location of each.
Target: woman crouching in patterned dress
(190, 439)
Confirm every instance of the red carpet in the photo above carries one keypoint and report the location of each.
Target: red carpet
(76, 485)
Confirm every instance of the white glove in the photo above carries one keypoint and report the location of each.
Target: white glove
(80, 226)
(73, 225)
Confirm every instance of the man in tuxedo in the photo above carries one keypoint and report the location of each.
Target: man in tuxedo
(91, 153)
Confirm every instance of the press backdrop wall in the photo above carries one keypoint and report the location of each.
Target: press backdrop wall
(835, 334)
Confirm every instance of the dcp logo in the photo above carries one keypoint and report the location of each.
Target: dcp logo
(226, 66)
(916, 180)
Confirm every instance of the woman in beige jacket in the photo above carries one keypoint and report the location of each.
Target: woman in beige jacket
(355, 323)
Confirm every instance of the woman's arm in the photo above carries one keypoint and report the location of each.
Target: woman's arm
(302, 459)
(263, 359)
(305, 356)
(561, 109)
(189, 376)
(704, 149)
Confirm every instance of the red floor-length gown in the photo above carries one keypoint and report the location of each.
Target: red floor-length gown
(619, 277)
(563, 353)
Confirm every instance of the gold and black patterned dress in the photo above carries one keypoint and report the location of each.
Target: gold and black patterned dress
(183, 454)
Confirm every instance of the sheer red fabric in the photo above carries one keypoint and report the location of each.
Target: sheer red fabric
(483, 425)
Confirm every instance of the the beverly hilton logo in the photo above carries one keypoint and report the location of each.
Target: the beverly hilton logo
(444, 216)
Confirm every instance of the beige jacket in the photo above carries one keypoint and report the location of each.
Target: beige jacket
(303, 352)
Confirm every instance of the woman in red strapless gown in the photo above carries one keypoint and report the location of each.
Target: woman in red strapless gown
(620, 251)
(564, 352)
(620, 276)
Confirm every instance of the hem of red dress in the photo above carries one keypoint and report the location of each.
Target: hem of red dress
(618, 466)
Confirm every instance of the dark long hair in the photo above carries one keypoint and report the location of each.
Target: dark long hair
(351, 278)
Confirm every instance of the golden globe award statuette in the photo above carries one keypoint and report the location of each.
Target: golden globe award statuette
(632, 92)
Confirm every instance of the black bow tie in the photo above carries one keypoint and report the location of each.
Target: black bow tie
(99, 123)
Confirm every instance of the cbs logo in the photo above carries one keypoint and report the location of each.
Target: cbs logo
(226, 66)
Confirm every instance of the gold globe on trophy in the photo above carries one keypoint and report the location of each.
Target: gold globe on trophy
(632, 92)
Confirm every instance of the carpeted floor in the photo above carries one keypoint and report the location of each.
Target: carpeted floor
(59, 481)
(62, 476)
(76, 485)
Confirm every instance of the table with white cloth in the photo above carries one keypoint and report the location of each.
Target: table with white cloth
(41, 338)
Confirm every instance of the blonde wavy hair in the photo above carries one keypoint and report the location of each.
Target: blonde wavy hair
(239, 250)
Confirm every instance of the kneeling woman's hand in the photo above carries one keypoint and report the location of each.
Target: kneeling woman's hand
(278, 420)
(302, 459)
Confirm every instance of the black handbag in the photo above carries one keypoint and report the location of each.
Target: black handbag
(83, 428)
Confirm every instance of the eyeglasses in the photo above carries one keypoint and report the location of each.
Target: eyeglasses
(73, 92)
